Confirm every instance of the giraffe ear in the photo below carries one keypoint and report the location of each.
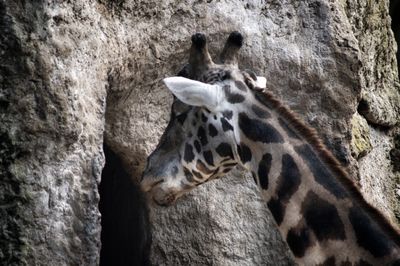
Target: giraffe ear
(261, 82)
(194, 92)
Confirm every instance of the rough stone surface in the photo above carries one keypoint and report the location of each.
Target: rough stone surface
(377, 183)
(379, 78)
(380, 101)
(60, 58)
(52, 113)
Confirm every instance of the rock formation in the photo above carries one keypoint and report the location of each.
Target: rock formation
(76, 73)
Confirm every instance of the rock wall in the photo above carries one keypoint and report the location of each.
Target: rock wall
(71, 71)
(52, 124)
(379, 106)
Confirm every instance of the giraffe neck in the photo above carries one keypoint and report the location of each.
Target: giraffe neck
(319, 212)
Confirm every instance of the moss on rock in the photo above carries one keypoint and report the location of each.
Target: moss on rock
(360, 137)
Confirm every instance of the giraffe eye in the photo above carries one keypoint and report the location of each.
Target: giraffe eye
(179, 107)
(251, 74)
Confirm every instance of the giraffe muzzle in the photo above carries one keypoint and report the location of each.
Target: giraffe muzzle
(157, 192)
(162, 197)
(147, 184)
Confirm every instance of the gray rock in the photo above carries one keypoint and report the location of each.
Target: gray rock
(51, 134)
(378, 75)
(377, 182)
(73, 72)
(380, 103)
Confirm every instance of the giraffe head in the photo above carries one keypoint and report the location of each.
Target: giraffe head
(202, 140)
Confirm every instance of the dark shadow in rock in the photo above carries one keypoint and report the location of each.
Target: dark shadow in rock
(126, 234)
(395, 154)
(394, 11)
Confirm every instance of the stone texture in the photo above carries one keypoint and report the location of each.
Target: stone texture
(379, 78)
(51, 139)
(378, 183)
(59, 59)
(380, 101)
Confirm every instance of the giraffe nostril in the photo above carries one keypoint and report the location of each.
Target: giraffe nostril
(158, 182)
(170, 199)
(166, 200)
(148, 184)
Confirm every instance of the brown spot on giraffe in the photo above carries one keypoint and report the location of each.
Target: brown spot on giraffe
(261, 113)
(208, 157)
(244, 153)
(203, 168)
(300, 239)
(232, 97)
(212, 130)
(322, 218)
(288, 183)
(331, 261)
(263, 170)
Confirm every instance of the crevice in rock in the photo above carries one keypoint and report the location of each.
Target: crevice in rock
(11, 200)
(126, 234)
(395, 154)
(365, 111)
(394, 11)
(362, 107)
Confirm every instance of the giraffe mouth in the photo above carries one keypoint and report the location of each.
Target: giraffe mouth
(163, 198)
(165, 201)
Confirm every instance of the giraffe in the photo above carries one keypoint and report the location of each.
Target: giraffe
(222, 117)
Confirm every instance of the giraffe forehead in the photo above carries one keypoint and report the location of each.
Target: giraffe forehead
(214, 75)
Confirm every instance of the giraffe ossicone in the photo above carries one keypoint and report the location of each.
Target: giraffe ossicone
(222, 117)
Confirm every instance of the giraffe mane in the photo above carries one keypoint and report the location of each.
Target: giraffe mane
(312, 137)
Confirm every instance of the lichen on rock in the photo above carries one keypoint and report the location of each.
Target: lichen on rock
(360, 141)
